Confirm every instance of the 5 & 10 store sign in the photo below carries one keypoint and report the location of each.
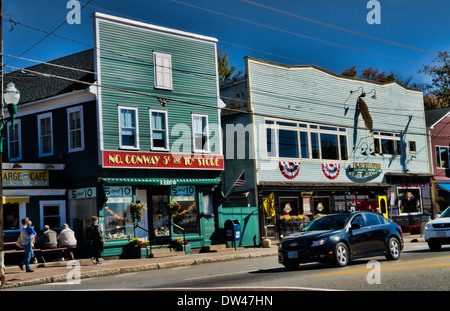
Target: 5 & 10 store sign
(125, 159)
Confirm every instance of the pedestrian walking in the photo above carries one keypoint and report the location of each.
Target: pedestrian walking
(97, 240)
(26, 240)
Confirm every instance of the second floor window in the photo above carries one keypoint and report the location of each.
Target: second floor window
(14, 142)
(387, 143)
(158, 130)
(45, 134)
(200, 132)
(442, 157)
(128, 127)
(75, 129)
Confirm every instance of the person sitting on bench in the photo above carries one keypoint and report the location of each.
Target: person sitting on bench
(66, 238)
(48, 240)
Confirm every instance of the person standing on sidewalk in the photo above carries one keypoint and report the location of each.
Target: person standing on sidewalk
(97, 240)
(26, 240)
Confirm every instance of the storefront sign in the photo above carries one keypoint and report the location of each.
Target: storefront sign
(82, 193)
(362, 167)
(125, 159)
(25, 178)
(119, 194)
(183, 190)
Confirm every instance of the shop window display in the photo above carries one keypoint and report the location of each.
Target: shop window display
(409, 200)
(160, 215)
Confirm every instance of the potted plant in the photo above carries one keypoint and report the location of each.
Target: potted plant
(174, 208)
(137, 248)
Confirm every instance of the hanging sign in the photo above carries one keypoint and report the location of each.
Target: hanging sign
(331, 170)
(25, 178)
(362, 167)
(289, 170)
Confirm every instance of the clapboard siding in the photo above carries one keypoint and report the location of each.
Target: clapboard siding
(126, 62)
(312, 95)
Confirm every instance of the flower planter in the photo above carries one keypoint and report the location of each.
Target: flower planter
(134, 252)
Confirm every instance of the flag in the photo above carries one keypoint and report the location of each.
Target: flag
(268, 206)
(240, 181)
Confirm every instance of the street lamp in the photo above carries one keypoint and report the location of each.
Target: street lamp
(11, 98)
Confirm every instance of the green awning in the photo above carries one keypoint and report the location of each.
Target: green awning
(160, 181)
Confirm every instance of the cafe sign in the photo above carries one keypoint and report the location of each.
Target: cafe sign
(126, 159)
(25, 178)
(363, 167)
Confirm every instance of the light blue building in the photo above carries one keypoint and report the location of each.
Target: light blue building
(323, 143)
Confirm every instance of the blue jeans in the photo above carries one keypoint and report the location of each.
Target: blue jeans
(28, 255)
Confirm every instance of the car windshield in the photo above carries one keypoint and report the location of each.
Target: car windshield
(446, 213)
(331, 222)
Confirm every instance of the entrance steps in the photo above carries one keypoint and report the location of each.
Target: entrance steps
(216, 248)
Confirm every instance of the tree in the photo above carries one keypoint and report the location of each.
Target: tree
(226, 72)
(439, 89)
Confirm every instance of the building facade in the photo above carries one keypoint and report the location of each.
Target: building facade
(322, 143)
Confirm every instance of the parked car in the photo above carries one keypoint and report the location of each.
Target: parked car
(339, 238)
(437, 231)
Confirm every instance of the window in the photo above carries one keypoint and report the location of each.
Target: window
(373, 219)
(128, 127)
(442, 157)
(409, 200)
(187, 218)
(305, 141)
(53, 213)
(75, 129)
(387, 143)
(200, 133)
(118, 222)
(45, 134)
(158, 130)
(11, 216)
(14, 141)
(163, 70)
(412, 146)
(359, 220)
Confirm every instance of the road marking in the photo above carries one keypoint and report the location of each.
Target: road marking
(217, 275)
(391, 267)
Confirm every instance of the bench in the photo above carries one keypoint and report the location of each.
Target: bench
(38, 252)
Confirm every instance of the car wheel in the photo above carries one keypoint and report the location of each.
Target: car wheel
(434, 246)
(341, 255)
(393, 249)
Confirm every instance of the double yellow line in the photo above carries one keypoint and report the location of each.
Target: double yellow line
(391, 267)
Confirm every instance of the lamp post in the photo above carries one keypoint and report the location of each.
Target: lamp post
(11, 98)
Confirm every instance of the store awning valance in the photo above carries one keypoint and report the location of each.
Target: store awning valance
(444, 186)
(16, 199)
(160, 181)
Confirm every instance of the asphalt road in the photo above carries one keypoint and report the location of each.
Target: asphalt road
(418, 269)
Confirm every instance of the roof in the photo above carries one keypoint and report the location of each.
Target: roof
(434, 116)
(35, 87)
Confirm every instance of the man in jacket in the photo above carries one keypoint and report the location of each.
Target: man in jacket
(66, 238)
(97, 240)
(48, 240)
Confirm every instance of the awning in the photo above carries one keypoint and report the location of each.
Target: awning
(160, 181)
(444, 186)
(16, 199)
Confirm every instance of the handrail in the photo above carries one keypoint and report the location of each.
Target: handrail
(184, 236)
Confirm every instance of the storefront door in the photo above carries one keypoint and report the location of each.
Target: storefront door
(142, 231)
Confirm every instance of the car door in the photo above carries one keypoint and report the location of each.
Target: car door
(357, 238)
(376, 233)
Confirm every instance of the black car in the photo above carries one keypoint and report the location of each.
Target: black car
(339, 238)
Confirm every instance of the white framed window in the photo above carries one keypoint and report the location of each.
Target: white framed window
(294, 140)
(75, 129)
(200, 132)
(15, 141)
(387, 143)
(45, 134)
(52, 213)
(163, 70)
(128, 128)
(159, 134)
(442, 157)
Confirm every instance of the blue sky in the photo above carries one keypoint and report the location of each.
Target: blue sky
(245, 28)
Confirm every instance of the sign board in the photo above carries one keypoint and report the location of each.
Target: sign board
(82, 193)
(119, 194)
(129, 159)
(363, 167)
(25, 178)
(183, 190)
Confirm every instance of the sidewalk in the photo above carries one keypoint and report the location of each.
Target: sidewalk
(57, 271)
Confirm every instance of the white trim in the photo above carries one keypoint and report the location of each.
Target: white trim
(98, 70)
(119, 108)
(19, 129)
(39, 118)
(166, 119)
(207, 149)
(62, 211)
(33, 192)
(134, 23)
(81, 129)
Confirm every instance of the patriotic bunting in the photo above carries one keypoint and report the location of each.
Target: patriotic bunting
(331, 170)
(289, 170)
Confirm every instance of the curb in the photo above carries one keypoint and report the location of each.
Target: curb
(139, 268)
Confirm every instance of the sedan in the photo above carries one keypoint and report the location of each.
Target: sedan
(339, 238)
(437, 231)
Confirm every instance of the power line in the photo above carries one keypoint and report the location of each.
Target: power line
(294, 33)
(340, 28)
